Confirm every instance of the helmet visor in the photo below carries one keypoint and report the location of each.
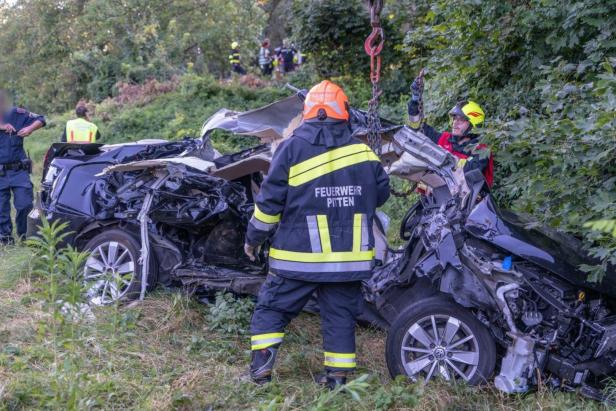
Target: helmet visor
(456, 111)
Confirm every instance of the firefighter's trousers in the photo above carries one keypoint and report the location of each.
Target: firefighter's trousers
(281, 299)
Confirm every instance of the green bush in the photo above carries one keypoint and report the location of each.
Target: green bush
(229, 314)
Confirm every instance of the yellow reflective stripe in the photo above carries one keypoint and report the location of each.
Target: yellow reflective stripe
(339, 355)
(264, 336)
(339, 360)
(260, 341)
(332, 166)
(264, 345)
(81, 131)
(326, 158)
(334, 257)
(357, 232)
(326, 245)
(266, 218)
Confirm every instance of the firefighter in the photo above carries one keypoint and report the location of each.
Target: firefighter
(318, 201)
(235, 59)
(80, 130)
(462, 142)
(287, 56)
(15, 167)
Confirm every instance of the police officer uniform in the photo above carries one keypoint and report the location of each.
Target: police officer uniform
(318, 201)
(14, 173)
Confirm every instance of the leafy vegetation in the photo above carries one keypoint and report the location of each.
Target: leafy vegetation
(545, 73)
(165, 353)
(80, 49)
(542, 69)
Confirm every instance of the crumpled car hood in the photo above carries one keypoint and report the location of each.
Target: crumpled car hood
(277, 121)
(193, 162)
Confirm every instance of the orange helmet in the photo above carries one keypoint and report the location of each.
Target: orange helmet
(326, 99)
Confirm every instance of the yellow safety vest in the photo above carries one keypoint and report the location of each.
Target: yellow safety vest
(80, 131)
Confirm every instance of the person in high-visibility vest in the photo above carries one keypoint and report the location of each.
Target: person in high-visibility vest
(80, 130)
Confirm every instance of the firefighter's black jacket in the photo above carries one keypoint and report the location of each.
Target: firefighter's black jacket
(319, 200)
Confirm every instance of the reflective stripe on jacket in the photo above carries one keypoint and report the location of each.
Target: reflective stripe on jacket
(319, 200)
(80, 131)
(234, 57)
(264, 56)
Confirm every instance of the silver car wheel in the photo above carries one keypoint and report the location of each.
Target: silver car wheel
(440, 345)
(108, 273)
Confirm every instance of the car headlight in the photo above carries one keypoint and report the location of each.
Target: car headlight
(52, 173)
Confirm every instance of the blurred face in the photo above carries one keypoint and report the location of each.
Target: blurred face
(459, 126)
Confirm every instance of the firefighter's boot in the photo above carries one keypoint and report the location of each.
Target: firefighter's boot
(262, 364)
(332, 379)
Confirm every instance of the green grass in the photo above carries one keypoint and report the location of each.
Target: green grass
(168, 352)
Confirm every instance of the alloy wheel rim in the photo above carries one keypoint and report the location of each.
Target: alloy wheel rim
(108, 273)
(440, 345)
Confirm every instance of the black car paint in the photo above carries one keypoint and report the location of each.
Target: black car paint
(556, 252)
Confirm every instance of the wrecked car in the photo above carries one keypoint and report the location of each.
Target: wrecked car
(475, 291)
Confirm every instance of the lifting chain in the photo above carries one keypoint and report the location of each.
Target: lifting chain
(373, 47)
(420, 80)
(403, 194)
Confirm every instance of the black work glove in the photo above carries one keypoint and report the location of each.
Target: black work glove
(416, 89)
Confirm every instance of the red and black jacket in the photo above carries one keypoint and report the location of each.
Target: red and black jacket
(470, 149)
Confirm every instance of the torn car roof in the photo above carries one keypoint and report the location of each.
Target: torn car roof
(278, 120)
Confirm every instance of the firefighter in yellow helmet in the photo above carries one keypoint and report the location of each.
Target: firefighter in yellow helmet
(317, 205)
(461, 141)
(235, 59)
(80, 130)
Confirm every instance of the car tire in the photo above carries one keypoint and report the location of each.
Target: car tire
(412, 350)
(112, 271)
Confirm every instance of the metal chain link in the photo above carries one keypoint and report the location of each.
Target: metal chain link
(406, 193)
(373, 47)
(420, 77)
(374, 121)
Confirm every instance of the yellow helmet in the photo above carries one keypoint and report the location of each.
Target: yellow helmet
(235, 45)
(470, 110)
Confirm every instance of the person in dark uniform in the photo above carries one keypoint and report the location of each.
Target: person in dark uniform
(15, 125)
(287, 54)
(318, 201)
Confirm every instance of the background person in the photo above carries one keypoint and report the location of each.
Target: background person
(265, 58)
(80, 130)
(287, 55)
(15, 167)
(235, 59)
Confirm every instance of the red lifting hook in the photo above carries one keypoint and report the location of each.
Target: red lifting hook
(374, 43)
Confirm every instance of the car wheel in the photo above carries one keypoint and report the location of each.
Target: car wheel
(112, 271)
(437, 338)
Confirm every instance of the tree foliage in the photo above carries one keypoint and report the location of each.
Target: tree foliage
(542, 69)
(55, 52)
